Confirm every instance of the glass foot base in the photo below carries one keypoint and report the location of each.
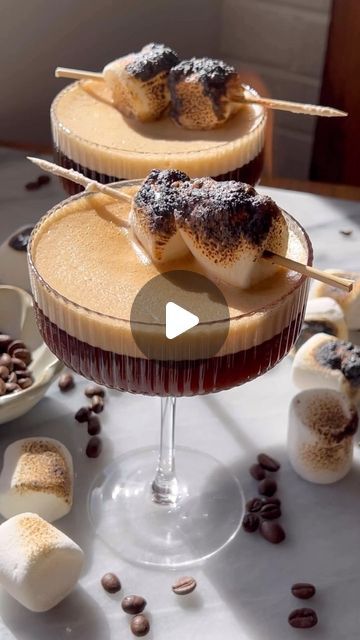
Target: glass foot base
(203, 521)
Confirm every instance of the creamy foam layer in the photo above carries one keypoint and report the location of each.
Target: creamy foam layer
(83, 253)
(89, 130)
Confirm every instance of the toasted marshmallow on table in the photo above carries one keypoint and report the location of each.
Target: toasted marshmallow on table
(199, 90)
(227, 226)
(37, 476)
(322, 315)
(325, 362)
(152, 215)
(349, 302)
(321, 428)
(39, 565)
(139, 81)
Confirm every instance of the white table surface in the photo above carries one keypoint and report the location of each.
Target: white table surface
(243, 592)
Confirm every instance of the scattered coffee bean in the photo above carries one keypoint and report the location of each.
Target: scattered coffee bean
(303, 618)
(18, 364)
(270, 512)
(22, 354)
(254, 505)
(2, 387)
(140, 626)
(257, 472)
(83, 414)
(272, 531)
(20, 240)
(94, 426)
(268, 463)
(250, 522)
(272, 500)
(32, 186)
(346, 232)
(133, 604)
(97, 404)
(15, 344)
(94, 390)
(66, 382)
(12, 387)
(4, 372)
(5, 360)
(267, 487)
(94, 447)
(184, 585)
(111, 583)
(303, 590)
(5, 340)
(43, 179)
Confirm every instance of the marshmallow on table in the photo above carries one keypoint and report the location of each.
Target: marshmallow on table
(325, 362)
(321, 429)
(152, 215)
(349, 302)
(227, 226)
(37, 476)
(139, 81)
(322, 315)
(39, 565)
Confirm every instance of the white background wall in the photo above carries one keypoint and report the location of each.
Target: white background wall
(281, 40)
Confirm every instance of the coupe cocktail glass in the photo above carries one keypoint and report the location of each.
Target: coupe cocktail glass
(142, 505)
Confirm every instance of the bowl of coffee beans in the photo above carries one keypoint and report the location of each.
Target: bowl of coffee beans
(27, 367)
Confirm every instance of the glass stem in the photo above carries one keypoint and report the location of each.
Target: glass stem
(165, 486)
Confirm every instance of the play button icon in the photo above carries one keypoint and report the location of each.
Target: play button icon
(179, 315)
(178, 320)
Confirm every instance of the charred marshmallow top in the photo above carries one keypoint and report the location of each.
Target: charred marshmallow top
(151, 60)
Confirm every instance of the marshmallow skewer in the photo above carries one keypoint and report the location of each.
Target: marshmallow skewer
(93, 185)
(246, 97)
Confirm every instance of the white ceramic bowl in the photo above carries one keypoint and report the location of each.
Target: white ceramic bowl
(17, 318)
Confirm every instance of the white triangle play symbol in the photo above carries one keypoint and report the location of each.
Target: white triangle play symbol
(178, 320)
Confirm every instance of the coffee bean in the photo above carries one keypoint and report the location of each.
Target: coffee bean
(22, 354)
(94, 447)
(5, 340)
(32, 186)
(267, 487)
(268, 463)
(21, 374)
(43, 179)
(133, 604)
(25, 383)
(94, 426)
(18, 364)
(97, 404)
(254, 505)
(111, 583)
(2, 387)
(14, 375)
(270, 512)
(272, 501)
(12, 387)
(20, 240)
(303, 590)
(15, 344)
(250, 522)
(5, 360)
(257, 472)
(4, 372)
(303, 618)
(140, 626)
(94, 390)
(66, 382)
(272, 531)
(83, 414)
(184, 585)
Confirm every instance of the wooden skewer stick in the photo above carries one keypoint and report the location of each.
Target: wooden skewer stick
(91, 185)
(77, 74)
(284, 105)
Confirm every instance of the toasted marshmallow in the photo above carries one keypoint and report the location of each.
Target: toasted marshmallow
(139, 81)
(324, 362)
(37, 476)
(349, 302)
(152, 215)
(227, 226)
(199, 90)
(321, 428)
(322, 315)
(39, 565)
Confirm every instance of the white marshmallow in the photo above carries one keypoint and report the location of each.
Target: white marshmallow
(349, 302)
(39, 565)
(320, 437)
(37, 476)
(311, 367)
(322, 315)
